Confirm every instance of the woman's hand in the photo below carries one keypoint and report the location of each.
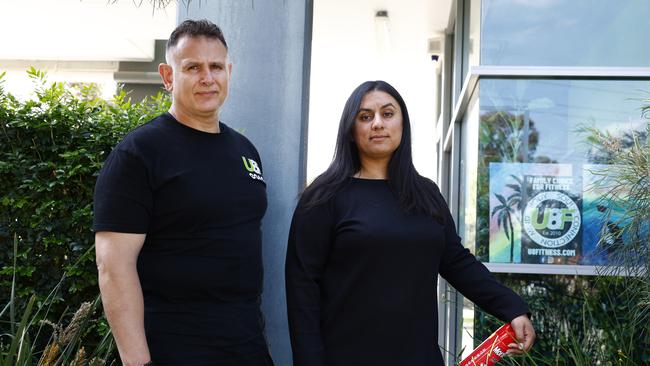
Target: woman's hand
(525, 334)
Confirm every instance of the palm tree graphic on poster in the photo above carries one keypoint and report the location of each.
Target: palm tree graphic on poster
(507, 208)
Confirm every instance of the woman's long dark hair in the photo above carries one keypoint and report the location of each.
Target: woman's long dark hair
(416, 194)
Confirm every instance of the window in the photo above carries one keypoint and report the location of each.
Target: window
(539, 182)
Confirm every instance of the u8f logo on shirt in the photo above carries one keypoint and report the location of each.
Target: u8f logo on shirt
(253, 168)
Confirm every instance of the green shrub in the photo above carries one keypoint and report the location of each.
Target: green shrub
(581, 320)
(51, 149)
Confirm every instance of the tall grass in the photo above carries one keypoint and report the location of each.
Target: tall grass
(33, 340)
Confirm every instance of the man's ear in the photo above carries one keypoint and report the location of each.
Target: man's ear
(167, 74)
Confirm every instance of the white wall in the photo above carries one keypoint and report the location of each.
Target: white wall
(350, 47)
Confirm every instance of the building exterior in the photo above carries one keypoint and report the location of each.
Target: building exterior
(502, 93)
(515, 85)
(523, 84)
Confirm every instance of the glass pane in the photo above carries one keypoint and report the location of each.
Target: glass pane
(469, 129)
(472, 44)
(537, 200)
(565, 33)
(471, 34)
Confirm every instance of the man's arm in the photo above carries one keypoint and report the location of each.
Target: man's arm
(117, 255)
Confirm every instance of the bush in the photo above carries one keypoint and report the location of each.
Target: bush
(51, 149)
(581, 320)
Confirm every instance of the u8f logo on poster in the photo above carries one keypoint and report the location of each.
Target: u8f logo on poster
(559, 223)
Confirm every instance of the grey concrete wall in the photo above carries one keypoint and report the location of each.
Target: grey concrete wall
(269, 45)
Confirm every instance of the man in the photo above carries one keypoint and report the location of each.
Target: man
(178, 209)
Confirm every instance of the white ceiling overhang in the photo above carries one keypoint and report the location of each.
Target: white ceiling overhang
(82, 30)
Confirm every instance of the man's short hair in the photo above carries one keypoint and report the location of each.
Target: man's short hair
(196, 28)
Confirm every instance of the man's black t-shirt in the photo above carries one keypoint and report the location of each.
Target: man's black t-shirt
(200, 198)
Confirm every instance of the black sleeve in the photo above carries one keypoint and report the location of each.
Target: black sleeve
(307, 252)
(469, 276)
(254, 151)
(123, 198)
(259, 159)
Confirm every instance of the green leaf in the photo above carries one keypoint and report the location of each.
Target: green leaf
(20, 337)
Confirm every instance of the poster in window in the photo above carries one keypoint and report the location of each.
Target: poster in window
(603, 216)
(535, 213)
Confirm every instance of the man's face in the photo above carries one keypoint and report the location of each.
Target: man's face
(197, 75)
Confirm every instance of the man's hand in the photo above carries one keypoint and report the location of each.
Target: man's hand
(525, 334)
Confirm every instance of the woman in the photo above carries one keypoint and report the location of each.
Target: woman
(367, 242)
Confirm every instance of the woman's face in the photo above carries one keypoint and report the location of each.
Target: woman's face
(378, 126)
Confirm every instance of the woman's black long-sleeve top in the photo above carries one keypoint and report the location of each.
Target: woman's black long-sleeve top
(361, 280)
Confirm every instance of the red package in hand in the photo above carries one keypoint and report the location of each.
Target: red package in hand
(492, 349)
